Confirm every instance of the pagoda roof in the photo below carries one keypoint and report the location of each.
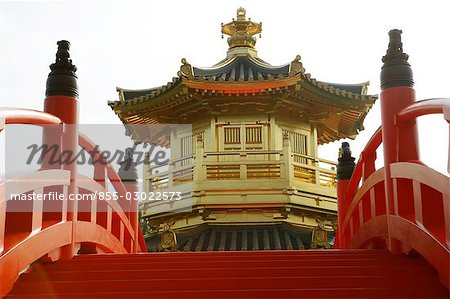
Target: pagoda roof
(133, 96)
(238, 70)
(338, 108)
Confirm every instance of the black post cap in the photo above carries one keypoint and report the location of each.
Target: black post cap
(396, 71)
(62, 79)
(128, 171)
(346, 163)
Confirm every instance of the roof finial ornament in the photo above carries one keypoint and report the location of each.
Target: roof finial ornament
(240, 14)
(396, 71)
(241, 30)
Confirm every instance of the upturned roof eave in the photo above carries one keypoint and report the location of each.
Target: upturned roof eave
(241, 86)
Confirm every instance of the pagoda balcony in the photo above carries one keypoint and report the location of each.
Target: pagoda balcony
(245, 165)
(243, 170)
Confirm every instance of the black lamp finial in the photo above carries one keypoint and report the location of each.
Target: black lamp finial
(396, 71)
(62, 80)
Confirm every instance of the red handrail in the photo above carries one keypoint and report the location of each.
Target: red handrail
(420, 217)
(424, 107)
(370, 149)
(118, 185)
(26, 116)
(47, 236)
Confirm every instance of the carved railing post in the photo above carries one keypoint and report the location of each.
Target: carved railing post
(148, 185)
(287, 157)
(345, 168)
(128, 175)
(243, 166)
(314, 152)
(199, 174)
(61, 101)
(399, 144)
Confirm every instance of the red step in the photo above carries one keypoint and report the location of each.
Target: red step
(83, 265)
(56, 275)
(255, 274)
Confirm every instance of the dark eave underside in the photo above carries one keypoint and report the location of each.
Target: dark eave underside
(233, 238)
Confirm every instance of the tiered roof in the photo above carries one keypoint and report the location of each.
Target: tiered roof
(241, 80)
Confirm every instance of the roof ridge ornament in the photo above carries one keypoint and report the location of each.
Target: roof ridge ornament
(186, 69)
(296, 66)
(241, 30)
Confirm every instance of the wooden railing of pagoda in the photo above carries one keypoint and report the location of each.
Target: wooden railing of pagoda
(415, 216)
(31, 235)
(243, 165)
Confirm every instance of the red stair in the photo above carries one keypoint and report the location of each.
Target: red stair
(260, 274)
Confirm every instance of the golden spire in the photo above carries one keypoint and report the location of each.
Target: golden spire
(241, 31)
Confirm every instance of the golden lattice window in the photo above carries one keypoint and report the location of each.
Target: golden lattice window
(299, 145)
(232, 135)
(253, 135)
(187, 146)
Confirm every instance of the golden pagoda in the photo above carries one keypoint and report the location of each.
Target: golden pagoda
(248, 169)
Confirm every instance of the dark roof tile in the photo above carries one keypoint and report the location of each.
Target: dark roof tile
(241, 68)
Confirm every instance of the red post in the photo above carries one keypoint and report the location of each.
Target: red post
(345, 167)
(128, 174)
(399, 143)
(61, 101)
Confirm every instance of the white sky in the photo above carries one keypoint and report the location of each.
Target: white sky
(140, 45)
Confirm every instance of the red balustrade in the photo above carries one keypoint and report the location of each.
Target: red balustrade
(35, 234)
(420, 216)
(405, 205)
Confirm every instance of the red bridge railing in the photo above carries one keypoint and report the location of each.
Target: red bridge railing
(47, 230)
(419, 218)
(32, 233)
(405, 205)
